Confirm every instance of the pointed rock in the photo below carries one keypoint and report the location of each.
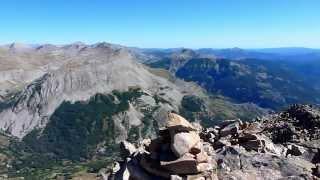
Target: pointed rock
(316, 170)
(178, 123)
(295, 150)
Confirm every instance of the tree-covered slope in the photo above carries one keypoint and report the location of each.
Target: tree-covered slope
(273, 82)
(269, 84)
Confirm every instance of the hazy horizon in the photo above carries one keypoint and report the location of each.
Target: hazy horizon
(68, 43)
(164, 24)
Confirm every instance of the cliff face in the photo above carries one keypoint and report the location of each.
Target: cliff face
(280, 146)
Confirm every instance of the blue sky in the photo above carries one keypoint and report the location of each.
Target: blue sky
(163, 23)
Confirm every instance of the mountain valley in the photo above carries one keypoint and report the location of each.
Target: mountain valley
(75, 103)
(71, 106)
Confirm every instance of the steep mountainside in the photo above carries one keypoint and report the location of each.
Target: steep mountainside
(91, 70)
(75, 73)
(71, 105)
(268, 83)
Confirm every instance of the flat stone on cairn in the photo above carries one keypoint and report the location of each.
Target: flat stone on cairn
(178, 153)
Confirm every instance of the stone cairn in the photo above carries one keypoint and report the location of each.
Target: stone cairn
(178, 153)
(178, 150)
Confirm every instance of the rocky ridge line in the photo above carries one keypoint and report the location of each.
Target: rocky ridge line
(231, 150)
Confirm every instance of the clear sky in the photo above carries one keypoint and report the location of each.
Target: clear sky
(163, 23)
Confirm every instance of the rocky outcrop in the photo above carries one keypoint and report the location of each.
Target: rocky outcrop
(299, 123)
(230, 150)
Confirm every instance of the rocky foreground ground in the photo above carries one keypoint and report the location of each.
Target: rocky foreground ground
(279, 146)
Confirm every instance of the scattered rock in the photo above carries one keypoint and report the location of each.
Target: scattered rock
(227, 122)
(221, 143)
(305, 115)
(230, 129)
(255, 145)
(280, 146)
(252, 128)
(283, 133)
(316, 171)
(244, 137)
(295, 150)
(207, 147)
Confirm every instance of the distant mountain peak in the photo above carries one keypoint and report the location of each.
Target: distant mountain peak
(46, 47)
(185, 53)
(76, 45)
(107, 45)
(236, 49)
(19, 47)
(79, 43)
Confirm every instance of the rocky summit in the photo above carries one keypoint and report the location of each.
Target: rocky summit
(278, 146)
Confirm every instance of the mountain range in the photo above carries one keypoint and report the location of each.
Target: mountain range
(269, 80)
(71, 105)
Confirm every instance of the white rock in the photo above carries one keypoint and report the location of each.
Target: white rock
(183, 142)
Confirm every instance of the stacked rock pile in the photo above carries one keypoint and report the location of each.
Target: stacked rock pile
(177, 153)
